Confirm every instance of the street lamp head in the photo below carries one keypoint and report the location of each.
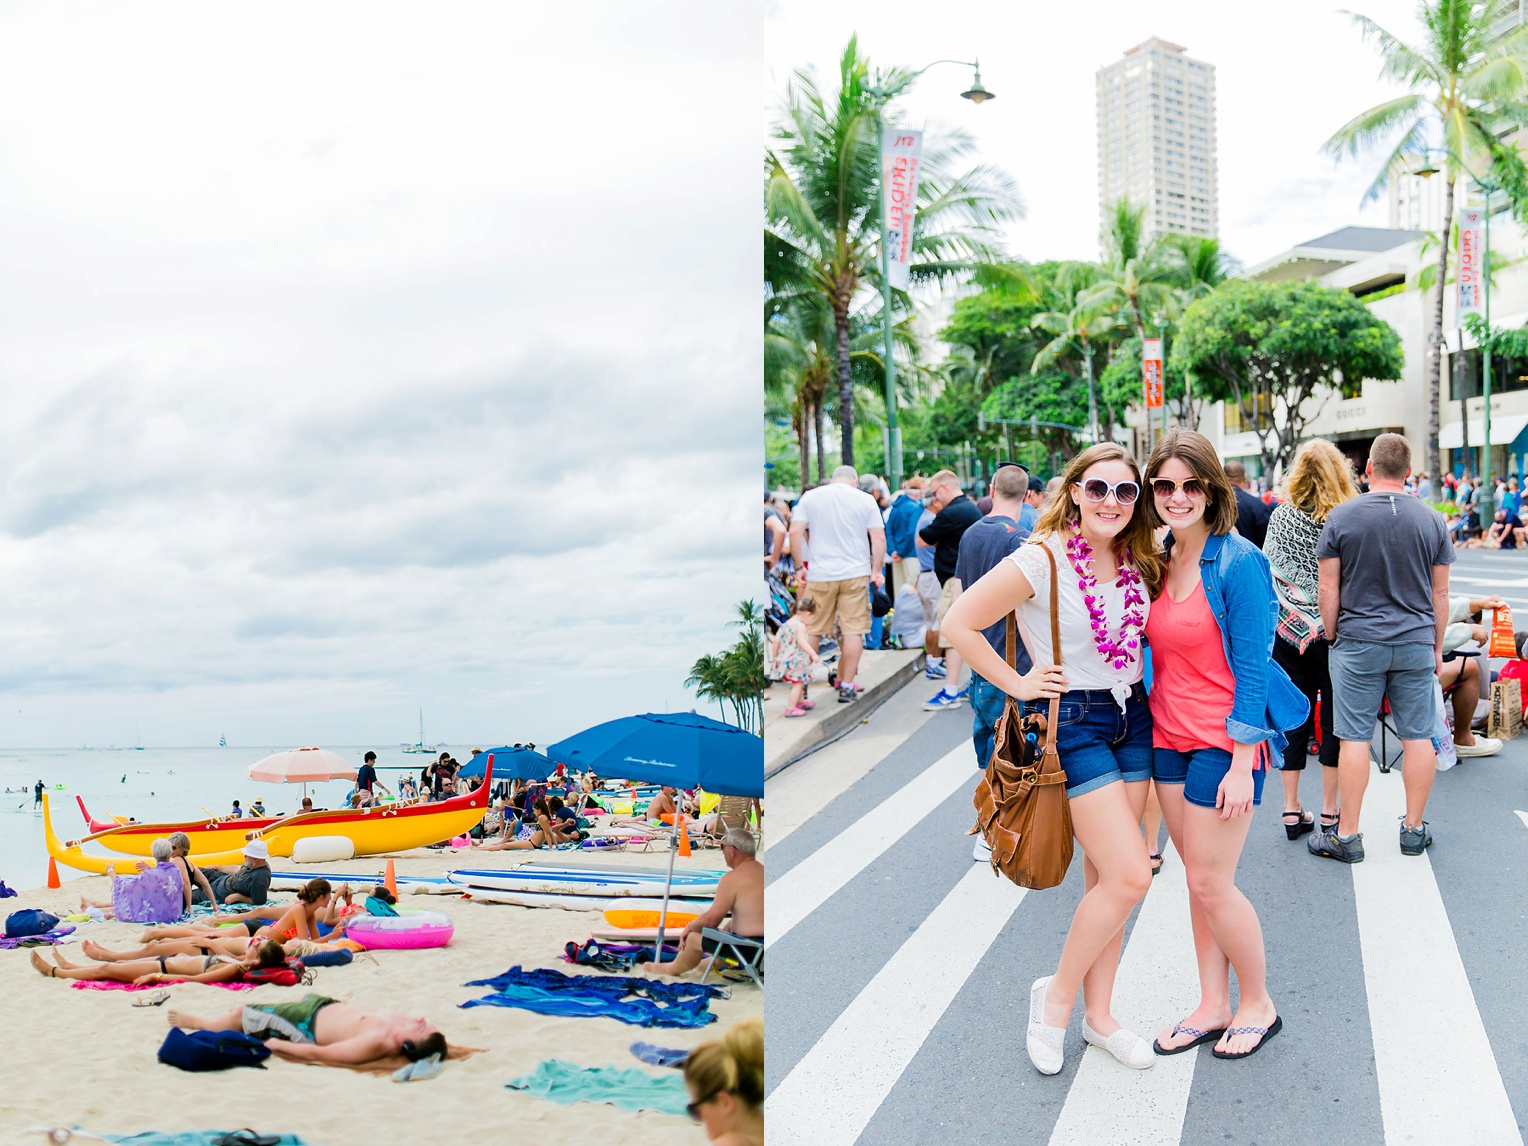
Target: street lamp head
(977, 93)
(1427, 170)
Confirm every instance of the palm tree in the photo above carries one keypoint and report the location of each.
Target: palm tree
(1138, 274)
(823, 206)
(735, 678)
(1087, 321)
(1465, 80)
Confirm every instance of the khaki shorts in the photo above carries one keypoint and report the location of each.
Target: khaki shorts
(946, 599)
(904, 571)
(928, 596)
(847, 601)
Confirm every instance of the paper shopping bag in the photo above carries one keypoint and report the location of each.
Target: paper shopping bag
(1506, 710)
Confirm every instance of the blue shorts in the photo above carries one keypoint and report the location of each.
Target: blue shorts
(1098, 743)
(1200, 772)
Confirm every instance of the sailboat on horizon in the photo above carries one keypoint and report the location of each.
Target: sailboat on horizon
(420, 746)
(222, 741)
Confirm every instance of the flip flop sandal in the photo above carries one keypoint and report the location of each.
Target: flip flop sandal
(157, 999)
(247, 1138)
(1267, 1032)
(1156, 864)
(1180, 1029)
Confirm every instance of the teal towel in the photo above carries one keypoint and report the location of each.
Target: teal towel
(564, 1083)
(188, 1138)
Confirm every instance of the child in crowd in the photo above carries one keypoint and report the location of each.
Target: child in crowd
(794, 656)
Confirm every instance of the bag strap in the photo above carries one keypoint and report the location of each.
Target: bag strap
(1050, 756)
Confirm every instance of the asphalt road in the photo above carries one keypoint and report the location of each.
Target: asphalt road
(899, 970)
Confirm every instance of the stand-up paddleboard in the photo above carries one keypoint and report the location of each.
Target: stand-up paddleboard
(579, 883)
(595, 889)
(690, 873)
(433, 884)
(566, 902)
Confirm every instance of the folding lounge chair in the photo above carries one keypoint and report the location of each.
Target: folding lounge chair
(748, 952)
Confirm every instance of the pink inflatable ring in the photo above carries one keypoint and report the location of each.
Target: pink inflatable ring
(401, 933)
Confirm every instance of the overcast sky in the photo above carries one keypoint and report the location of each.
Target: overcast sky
(359, 357)
(1287, 76)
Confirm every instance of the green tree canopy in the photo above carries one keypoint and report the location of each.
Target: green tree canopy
(1277, 350)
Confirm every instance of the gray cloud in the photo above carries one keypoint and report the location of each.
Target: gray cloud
(339, 413)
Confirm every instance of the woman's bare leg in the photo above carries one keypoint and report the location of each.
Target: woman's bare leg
(1098, 983)
(1214, 1010)
(1213, 847)
(1106, 822)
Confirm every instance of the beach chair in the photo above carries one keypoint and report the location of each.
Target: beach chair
(748, 952)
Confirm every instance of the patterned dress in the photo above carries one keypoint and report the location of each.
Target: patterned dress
(793, 664)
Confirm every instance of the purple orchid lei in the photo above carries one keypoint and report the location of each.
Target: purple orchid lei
(1121, 650)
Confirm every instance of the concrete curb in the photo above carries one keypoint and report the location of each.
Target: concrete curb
(843, 717)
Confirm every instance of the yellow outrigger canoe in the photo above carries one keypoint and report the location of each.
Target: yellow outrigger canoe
(372, 831)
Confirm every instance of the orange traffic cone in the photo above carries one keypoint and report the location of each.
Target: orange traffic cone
(390, 880)
(53, 880)
(684, 836)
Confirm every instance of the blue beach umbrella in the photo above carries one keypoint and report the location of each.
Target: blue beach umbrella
(509, 764)
(682, 749)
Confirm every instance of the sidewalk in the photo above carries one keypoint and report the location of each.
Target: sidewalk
(882, 673)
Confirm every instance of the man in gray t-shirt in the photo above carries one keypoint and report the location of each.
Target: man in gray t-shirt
(1383, 559)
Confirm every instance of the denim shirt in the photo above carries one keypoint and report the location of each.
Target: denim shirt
(1239, 586)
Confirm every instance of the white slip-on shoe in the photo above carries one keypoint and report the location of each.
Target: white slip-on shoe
(981, 853)
(1042, 1040)
(1483, 746)
(1126, 1046)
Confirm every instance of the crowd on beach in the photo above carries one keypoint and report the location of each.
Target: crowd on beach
(219, 925)
(1211, 629)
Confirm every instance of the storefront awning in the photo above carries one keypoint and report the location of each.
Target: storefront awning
(1504, 431)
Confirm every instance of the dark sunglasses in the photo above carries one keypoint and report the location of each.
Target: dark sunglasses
(693, 1108)
(1096, 489)
(1166, 487)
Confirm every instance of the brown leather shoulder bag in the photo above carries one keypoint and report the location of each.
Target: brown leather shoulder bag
(1021, 805)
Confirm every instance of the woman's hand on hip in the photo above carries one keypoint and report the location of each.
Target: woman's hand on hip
(1043, 682)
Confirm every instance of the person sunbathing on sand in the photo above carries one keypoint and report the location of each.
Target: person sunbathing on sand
(253, 920)
(143, 972)
(314, 906)
(319, 1029)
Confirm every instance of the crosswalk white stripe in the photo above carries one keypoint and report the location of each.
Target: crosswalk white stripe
(809, 884)
(832, 1093)
(1438, 1080)
(1158, 981)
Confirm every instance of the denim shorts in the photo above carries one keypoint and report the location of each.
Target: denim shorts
(1097, 742)
(1200, 772)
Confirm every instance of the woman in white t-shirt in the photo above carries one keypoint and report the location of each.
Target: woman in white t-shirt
(1109, 568)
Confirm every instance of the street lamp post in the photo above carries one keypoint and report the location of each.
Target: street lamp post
(977, 95)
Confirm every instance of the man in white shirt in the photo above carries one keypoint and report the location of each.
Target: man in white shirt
(838, 530)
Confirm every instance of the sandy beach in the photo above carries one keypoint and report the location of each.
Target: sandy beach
(87, 1058)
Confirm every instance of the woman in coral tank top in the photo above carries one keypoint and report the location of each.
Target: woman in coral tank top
(1219, 705)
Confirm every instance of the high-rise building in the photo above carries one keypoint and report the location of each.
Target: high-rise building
(1156, 139)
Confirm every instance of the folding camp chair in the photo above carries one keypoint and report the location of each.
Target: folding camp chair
(748, 952)
(1388, 759)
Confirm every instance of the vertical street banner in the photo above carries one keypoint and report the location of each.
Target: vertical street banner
(901, 151)
(1471, 276)
(1151, 370)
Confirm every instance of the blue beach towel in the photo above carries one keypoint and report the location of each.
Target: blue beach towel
(191, 1138)
(636, 1000)
(659, 1056)
(565, 1084)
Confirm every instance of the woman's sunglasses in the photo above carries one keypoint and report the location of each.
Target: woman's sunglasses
(1096, 489)
(693, 1108)
(1166, 487)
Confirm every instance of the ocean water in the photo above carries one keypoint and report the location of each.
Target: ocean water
(152, 785)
